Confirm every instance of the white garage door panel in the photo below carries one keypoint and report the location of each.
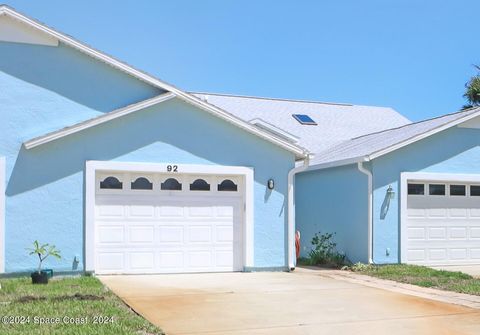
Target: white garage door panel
(200, 234)
(171, 234)
(474, 233)
(475, 253)
(141, 234)
(111, 261)
(168, 233)
(141, 212)
(171, 259)
(110, 211)
(442, 229)
(111, 234)
(142, 260)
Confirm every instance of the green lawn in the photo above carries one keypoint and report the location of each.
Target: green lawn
(423, 276)
(82, 300)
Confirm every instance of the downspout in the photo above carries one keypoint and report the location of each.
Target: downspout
(366, 171)
(291, 211)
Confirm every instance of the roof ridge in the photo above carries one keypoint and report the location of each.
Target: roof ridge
(414, 123)
(275, 99)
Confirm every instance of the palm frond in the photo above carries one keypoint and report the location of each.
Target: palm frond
(472, 93)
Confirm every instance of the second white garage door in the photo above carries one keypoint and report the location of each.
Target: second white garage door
(443, 223)
(160, 224)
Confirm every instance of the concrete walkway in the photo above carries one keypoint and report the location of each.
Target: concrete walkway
(472, 270)
(466, 300)
(303, 302)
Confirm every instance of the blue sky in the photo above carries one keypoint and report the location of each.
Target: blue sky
(412, 55)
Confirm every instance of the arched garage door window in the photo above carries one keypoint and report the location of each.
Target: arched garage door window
(171, 184)
(227, 185)
(199, 185)
(111, 183)
(142, 183)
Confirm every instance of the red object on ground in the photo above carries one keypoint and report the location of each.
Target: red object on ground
(297, 243)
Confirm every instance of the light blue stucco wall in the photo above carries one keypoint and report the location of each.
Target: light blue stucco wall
(333, 201)
(456, 150)
(72, 75)
(45, 185)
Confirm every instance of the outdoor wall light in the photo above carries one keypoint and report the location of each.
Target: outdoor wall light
(390, 192)
(76, 261)
(386, 202)
(270, 184)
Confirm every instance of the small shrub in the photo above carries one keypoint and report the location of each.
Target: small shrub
(42, 251)
(303, 261)
(359, 267)
(337, 259)
(324, 251)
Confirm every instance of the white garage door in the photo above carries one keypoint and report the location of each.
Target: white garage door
(443, 223)
(163, 224)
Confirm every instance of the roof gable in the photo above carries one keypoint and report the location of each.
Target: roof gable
(371, 146)
(35, 142)
(215, 110)
(12, 30)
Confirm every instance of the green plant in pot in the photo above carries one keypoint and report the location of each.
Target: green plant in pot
(42, 251)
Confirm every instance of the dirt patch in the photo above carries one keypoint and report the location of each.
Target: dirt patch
(29, 298)
(78, 296)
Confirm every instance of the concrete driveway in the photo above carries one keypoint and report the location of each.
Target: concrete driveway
(301, 302)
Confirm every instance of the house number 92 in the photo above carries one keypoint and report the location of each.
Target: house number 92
(172, 168)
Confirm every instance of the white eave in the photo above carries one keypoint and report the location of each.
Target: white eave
(333, 164)
(378, 153)
(297, 150)
(274, 130)
(55, 135)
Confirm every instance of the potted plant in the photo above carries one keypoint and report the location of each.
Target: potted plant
(42, 251)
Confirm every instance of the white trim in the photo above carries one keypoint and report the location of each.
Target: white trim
(2, 214)
(366, 171)
(297, 150)
(423, 176)
(472, 124)
(97, 120)
(342, 162)
(13, 31)
(423, 135)
(274, 130)
(382, 152)
(446, 177)
(89, 252)
(291, 253)
(91, 167)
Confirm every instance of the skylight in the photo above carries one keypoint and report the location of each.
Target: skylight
(304, 119)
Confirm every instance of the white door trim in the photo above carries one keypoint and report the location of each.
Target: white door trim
(2, 214)
(422, 176)
(91, 167)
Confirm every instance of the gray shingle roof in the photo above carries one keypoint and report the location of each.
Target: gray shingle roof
(336, 122)
(371, 144)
